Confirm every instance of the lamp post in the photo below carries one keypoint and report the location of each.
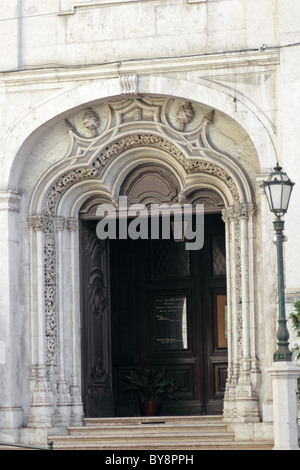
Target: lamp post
(284, 372)
(278, 189)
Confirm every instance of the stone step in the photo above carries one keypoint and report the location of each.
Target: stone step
(161, 446)
(153, 429)
(153, 419)
(145, 437)
(153, 433)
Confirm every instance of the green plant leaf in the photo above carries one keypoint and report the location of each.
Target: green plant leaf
(151, 384)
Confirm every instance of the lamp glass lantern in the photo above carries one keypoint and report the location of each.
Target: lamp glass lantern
(278, 189)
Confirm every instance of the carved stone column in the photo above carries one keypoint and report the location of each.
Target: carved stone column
(241, 398)
(77, 409)
(42, 399)
(63, 394)
(247, 396)
(232, 250)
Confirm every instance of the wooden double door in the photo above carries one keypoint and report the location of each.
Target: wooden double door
(152, 303)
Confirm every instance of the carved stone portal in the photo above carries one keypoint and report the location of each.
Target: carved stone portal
(127, 133)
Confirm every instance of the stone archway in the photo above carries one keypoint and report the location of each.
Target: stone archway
(139, 131)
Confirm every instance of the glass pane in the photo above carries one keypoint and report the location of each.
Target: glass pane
(276, 196)
(285, 196)
(169, 259)
(219, 258)
(170, 323)
(222, 320)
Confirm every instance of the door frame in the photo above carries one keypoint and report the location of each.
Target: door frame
(197, 323)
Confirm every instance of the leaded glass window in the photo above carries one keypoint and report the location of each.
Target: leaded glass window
(219, 257)
(169, 259)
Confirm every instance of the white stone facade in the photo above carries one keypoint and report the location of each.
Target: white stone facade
(135, 63)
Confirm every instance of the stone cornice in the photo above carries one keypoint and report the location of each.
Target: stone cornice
(202, 63)
(10, 201)
(68, 7)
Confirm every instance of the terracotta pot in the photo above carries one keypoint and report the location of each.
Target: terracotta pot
(150, 408)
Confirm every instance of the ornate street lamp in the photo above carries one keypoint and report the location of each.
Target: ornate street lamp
(278, 189)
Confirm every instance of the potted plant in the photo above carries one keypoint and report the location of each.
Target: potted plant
(152, 387)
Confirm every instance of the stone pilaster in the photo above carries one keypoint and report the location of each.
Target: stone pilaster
(62, 417)
(77, 409)
(241, 397)
(41, 408)
(284, 377)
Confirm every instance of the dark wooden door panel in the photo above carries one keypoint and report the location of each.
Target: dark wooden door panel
(188, 400)
(167, 309)
(95, 308)
(170, 342)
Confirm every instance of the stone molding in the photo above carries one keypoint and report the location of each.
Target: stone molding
(129, 84)
(10, 201)
(144, 67)
(127, 143)
(68, 7)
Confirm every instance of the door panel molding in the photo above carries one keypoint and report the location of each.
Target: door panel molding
(96, 337)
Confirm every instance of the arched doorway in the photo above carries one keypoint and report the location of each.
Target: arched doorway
(153, 303)
(141, 134)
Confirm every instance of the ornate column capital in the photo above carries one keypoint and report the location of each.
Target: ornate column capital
(37, 222)
(59, 223)
(245, 210)
(72, 224)
(229, 214)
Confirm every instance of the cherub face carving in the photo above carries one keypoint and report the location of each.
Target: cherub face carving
(91, 120)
